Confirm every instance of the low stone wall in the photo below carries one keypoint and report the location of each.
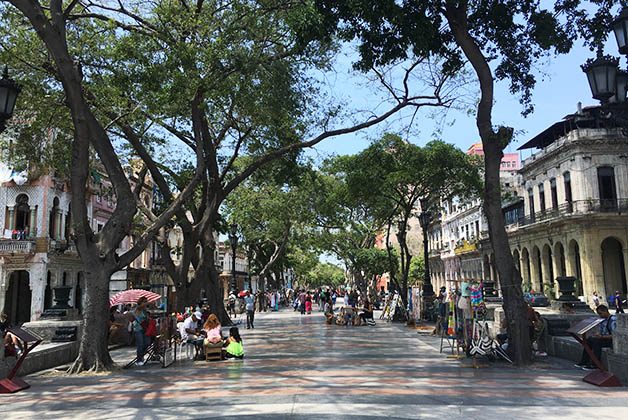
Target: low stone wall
(45, 329)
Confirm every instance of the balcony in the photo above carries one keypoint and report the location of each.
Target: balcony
(13, 246)
(465, 246)
(579, 207)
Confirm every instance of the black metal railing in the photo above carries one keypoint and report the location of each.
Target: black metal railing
(619, 206)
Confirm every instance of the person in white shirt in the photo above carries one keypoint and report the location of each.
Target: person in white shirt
(346, 298)
(190, 327)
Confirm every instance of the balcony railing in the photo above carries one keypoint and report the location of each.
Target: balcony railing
(578, 207)
(11, 245)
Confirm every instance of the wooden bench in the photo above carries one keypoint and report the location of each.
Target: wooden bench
(213, 351)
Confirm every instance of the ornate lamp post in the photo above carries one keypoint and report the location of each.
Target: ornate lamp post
(9, 89)
(391, 285)
(608, 83)
(424, 219)
(233, 239)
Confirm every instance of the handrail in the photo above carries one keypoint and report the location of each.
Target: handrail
(576, 207)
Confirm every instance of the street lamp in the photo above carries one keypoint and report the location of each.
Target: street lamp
(608, 83)
(620, 27)
(9, 89)
(233, 239)
(424, 219)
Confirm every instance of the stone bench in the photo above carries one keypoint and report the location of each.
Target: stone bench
(44, 356)
(569, 348)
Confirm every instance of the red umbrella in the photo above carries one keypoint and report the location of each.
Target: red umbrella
(242, 293)
(131, 296)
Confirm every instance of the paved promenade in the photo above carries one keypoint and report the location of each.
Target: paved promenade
(297, 367)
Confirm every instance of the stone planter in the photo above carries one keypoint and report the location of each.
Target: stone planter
(62, 297)
(567, 287)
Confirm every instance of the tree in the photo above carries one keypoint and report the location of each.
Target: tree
(416, 274)
(345, 225)
(512, 35)
(271, 209)
(393, 175)
(325, 274)
(226, 79)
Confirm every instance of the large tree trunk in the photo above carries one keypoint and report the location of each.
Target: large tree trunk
(519, 345)
(93, 352)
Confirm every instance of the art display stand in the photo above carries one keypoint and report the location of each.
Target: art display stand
(474, 362)
(12, 383)
(453, 336)
(599, 377)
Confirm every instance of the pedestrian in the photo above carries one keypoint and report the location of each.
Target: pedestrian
(603, 339)
(140, 324)
(249, 302)
(308, 303)
(302, 302)
(346, 298)
(618, 304)
(272, 301)
(596, 301)
(232, 301)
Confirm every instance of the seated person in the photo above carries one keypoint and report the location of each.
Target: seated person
(503, 337)
(114, 326)
(190, 329)
(12, 344)
(537, 342)
(233, 345)
(213, 331)
(597, 342)
(368, 311)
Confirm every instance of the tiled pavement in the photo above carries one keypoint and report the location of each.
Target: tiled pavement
(297, 367)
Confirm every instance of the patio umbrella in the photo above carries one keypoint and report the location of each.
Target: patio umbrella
(242, 293)
(131, 296)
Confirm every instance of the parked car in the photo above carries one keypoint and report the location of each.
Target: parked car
(536, 299)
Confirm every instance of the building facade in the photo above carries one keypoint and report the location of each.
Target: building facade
(566, 214)
(36, 253)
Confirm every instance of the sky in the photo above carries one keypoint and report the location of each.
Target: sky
(561, 84)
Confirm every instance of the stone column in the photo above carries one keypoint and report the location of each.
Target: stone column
(4, 285)
(591, 263)
(58, 219)
(11, 218)
(33, 222)
(545, 263)
(535, 277)
(525, 272)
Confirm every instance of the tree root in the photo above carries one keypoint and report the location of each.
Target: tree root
(79, 367)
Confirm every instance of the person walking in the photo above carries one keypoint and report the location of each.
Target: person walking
(308, 303)
(249, 302)
(617, 301)
(596, 301)
(302, 302)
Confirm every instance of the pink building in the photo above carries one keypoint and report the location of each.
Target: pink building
(510, 161)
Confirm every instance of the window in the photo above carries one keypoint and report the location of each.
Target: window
(554, 193)
(477, 227)
(531, 202)
(542, 197)
(567, 179)
(508, 164)
(606, 182)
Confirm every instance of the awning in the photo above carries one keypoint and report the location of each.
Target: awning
(558, 130)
